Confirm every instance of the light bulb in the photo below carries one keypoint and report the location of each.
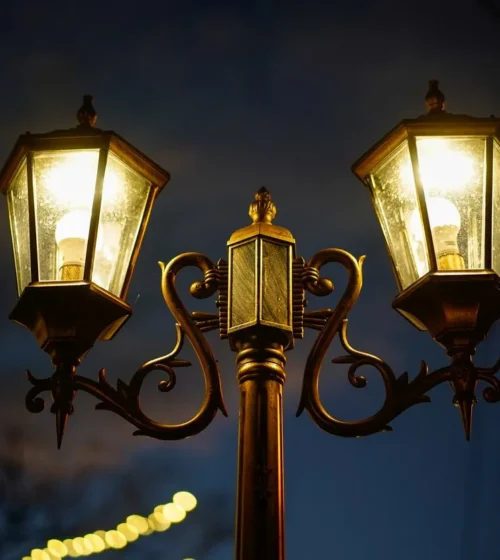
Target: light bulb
(444, 219)
(71, 235)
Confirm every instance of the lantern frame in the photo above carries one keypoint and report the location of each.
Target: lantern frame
(428, 301)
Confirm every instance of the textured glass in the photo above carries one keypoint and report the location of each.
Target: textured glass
(396, 204)
(453, 178)
(242, 291)
(276, 287)
(17, 200)
(495, 242)
(64, 185)
(124, 198)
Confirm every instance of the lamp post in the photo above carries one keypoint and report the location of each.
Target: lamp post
(86, 195)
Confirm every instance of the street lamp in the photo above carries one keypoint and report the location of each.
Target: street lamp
(434, 182)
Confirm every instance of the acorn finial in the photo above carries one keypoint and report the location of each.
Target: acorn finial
(434, 100)
(263, 208)
(87, 115)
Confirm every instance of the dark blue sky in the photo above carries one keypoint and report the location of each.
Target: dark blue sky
(229, 96)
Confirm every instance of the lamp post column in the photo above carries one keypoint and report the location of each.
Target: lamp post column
(260, 492)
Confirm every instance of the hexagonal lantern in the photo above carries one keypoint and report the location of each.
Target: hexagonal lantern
(79, 201)
(260, 275)
(435, 185)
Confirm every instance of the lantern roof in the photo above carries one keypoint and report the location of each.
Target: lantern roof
(82, 137)
(437, 122)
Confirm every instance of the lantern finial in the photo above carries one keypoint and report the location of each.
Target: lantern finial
(435, 100)
(87, 115)
(263, 208)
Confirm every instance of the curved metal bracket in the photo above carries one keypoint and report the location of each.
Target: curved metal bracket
(124, 400)
(400, 392)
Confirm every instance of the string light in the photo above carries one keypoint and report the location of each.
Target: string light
(129, 531)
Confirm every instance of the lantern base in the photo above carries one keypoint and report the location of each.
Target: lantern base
(68, 317)
(457, 308)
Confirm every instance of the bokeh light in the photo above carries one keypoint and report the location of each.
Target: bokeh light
(135, 526)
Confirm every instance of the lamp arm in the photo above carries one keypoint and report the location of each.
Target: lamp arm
(400, 393)
(124, 400)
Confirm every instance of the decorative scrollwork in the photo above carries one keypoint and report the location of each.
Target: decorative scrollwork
(400, 392)
(124, 399)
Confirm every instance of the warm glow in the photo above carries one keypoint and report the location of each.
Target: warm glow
(129, 531)
(442, 168)
(115, 539)
(72, 179)
(57, 548)
(173, 513)
(125, 533)
(185, 500)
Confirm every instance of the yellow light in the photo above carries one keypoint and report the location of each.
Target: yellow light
(443, 168)
(39, 554)
(185, 500)
(139, 522)
(68, 543)
(71, 180)
(115, 539)
(96, 541)
(129, 531)
(57, 548)
(158, 522)
(173, 513)
(82, 546)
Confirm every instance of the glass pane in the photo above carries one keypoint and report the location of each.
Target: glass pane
(124, 198)
(17, 201)
(496, 208)
(452, 172)
(64, 184)
(396, 204)
(243, 294)
(276, 288)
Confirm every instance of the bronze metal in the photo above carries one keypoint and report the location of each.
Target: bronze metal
(488, 203)
(260, 491)
(124, 400)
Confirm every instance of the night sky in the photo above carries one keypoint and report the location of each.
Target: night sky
(230, 96)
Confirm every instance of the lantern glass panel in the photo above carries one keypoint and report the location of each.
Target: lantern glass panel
(124, 197)
(452, 171)
(17, 201)
(64, 185)
(243, 289)
(395, 200)
(276, 287)
(496, 208)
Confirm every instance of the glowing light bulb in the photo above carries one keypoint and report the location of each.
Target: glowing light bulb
(444, 219)
(72, 233)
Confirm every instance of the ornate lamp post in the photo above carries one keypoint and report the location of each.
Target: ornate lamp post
(434, 181)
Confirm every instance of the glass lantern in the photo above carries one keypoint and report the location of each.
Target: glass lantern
(79, 202)
(435, 186)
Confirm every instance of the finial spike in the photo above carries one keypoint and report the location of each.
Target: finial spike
(87, 115)
(61, 420)
(263, 208)
(466, 407)
(434, 100)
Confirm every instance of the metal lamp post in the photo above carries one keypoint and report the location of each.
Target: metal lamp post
(435, 184)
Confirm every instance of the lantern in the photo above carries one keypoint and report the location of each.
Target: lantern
(260, 274)
(435, 185)
(79, 202)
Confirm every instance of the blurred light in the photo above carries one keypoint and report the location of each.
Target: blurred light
(134, 527)
(139, 522)
(129, 531)
(39, 554)
(185, 500)
(173, 513)
(96, 541)
(115, 539)
(57, 548)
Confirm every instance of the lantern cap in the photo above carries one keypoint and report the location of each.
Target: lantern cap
(435, 101)
(87, 115)
(262, 211)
